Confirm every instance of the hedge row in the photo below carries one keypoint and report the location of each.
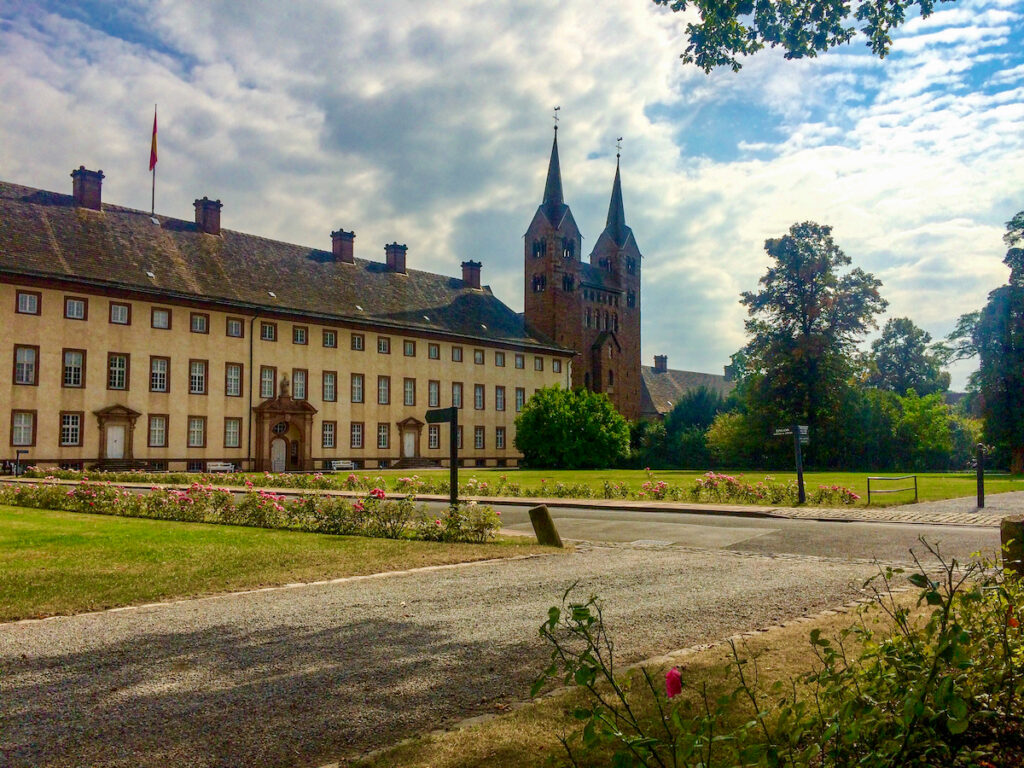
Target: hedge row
(711, 487)
(374, 516)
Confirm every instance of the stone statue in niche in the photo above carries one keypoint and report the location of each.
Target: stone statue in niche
(283, 390)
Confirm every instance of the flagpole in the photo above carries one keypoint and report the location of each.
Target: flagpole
(152, 166)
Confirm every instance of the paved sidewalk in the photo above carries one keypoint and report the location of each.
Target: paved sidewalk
(959, 511)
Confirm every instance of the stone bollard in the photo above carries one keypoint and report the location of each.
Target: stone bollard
(544, 527)
(1011, 531)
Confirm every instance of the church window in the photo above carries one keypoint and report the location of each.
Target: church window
(538, 248)
(631, 299)
(568, 248)
(611, 378)
(588, 317)
(539, 283)
(616, 321)
(603, 263)
(567, 283)
(631, 266)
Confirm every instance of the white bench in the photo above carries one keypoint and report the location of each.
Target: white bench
(220, 466)
(337, 464)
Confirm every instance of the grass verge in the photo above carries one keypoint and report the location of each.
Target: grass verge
(55, 563)
(528, 737)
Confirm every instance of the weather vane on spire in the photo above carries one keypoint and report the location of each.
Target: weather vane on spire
(556, 118)
(618, 147)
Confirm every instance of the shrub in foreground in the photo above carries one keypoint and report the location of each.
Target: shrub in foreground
(946, 690)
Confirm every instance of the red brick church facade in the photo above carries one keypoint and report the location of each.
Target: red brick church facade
(590, 306)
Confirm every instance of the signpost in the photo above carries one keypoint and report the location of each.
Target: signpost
(801, 436)
(17, 462)
(981, 475)
(450, 415)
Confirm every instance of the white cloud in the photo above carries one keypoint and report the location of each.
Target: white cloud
(427, 122)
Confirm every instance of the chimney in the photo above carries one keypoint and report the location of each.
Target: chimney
(208, 215)
(344, 246)
(87, 188)
(661, 363)
(396, 257)
(471, 274)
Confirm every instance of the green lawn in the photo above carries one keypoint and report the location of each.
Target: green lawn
(62, 562)
(931, 486)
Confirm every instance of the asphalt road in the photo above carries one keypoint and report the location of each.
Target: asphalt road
(305, 675)
(889, 542)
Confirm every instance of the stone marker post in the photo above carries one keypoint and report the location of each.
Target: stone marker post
(544, 527)
(1011, 532)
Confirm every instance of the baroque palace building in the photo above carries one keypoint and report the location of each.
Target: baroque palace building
(139, 340)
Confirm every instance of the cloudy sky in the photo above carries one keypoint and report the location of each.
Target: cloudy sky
(429, 122)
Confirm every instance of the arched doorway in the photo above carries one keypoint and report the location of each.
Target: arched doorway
(278, 454)
(283, 429)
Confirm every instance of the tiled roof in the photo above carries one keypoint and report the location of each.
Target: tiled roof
(42, 234)
(595, 277)
(661, 391)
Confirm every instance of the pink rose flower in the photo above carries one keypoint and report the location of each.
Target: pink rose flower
(673, 683)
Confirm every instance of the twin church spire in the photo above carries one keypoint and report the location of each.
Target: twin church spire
(554, 206)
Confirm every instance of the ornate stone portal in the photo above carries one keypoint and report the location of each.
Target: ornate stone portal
(284, 427)
(117, 432)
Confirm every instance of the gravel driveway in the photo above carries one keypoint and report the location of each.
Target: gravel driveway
(304, 675)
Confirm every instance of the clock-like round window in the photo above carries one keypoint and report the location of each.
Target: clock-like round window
(280, 428)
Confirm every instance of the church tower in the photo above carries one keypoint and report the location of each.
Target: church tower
(552, 263)
(614, 350)
(592, 307)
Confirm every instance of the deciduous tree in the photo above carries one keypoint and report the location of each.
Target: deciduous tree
(901, 360)
(571, 429)
(804, 325)
(730, 29)
(996, 336)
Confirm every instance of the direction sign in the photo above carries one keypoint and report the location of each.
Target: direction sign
(802, 428)
(441, 415)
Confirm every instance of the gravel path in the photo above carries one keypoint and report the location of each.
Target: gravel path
(305, 675)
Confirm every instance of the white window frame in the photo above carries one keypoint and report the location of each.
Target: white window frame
(158, 426)
(70, 425)
(75, 382)
(299, 381)
(117, 376)
(233, 383)
(196, 432)
(330, 385)
(22, 428)
(153, 373)
(236, 433)
(198, 376)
